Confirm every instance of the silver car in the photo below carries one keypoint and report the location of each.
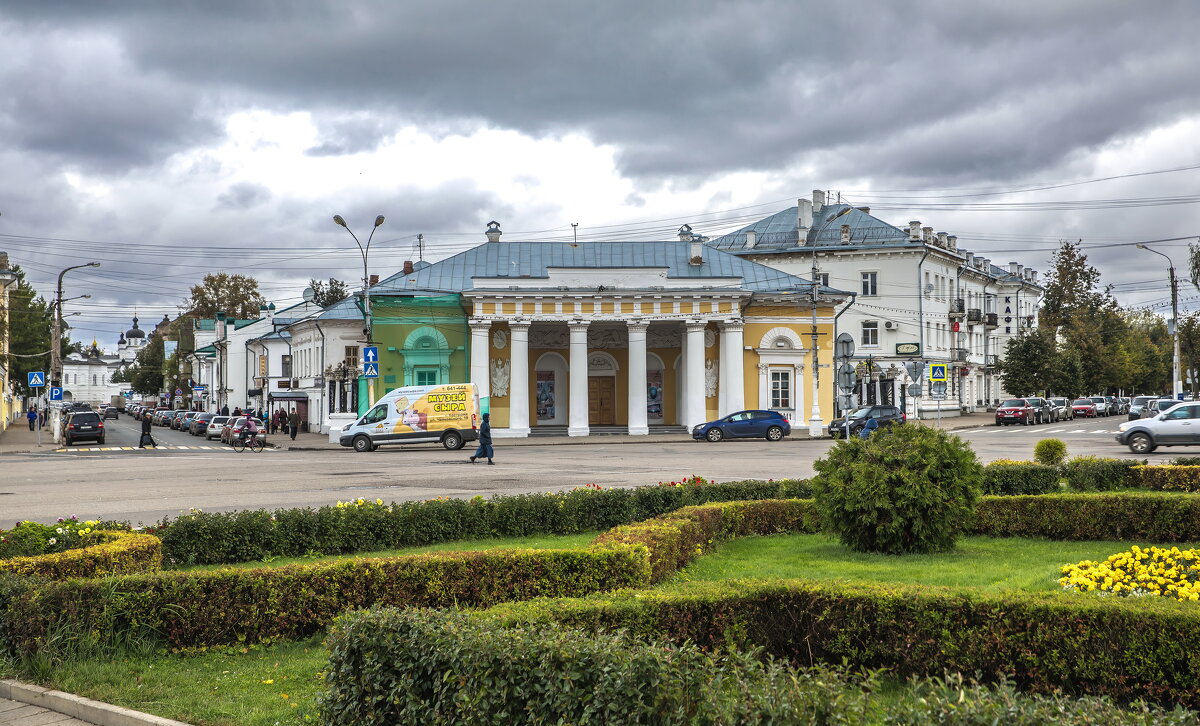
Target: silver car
(1062, 407)
(215, 427)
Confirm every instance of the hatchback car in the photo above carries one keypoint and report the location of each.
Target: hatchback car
(770, 425)
(1084, 408)
(1043, 411)
(1062, 408)
(884, 415)
(199, 423)
(183, 420)
(1177, 426)
(112, 412)
(215, 427)
(1015, 411)
(83, 426)
(1102, 408)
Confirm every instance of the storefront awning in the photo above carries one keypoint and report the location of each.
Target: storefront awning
(287, 396)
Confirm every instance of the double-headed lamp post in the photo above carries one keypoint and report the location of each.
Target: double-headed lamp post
(56, 336)
(368, 324)
(1177, 386)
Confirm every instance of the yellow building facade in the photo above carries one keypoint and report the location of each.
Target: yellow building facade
(9, 403)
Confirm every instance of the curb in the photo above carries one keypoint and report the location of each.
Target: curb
(84, 709)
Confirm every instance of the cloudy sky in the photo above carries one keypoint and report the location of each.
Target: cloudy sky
(171, 139)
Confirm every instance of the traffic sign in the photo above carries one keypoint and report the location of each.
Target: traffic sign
(937, 372)
(37, 379)
(938, 388)
(370, 370)
(371, 354)
(915, 369)
(914, 390)
(199, 388)
(846, 377)
(178, 391)
(56, 393)
(844, 345)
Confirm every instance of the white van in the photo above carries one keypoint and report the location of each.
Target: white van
(448, 414)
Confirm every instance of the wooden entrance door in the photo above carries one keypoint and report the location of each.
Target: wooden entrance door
(602, 400)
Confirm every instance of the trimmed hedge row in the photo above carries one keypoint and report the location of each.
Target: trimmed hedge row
(365, 526)
(1042, 641)
(230, 606)
(114, 553)
(1020, 477)
(1129, 516)
(417, 666)
(1170, 478)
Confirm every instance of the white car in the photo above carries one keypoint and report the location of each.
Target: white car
(1177, 426)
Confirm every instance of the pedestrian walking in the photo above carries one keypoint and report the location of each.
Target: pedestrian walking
(485, 440)
(225, 410)
(293, 422)
(870, 426)
(32, 416)
(42, 417)
(147, 424)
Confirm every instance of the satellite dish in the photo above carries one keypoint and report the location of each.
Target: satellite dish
(309, 294)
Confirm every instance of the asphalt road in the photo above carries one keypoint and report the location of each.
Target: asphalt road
(145, 485)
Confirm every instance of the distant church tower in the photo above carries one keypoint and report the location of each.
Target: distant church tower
(130, 342)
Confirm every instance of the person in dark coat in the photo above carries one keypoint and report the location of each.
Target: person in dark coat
(293, 421)
(868, 428)
(147, 424)
(485, 440)
(32, 415)
(225, 410)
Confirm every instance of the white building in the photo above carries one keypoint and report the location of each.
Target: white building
(88, 377)
(919, 297)
(131, 342)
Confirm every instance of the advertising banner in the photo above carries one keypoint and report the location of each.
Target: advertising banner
(654, 394)
(425, 408)
(545, 396)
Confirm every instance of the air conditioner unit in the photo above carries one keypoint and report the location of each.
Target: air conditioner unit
(890, 325)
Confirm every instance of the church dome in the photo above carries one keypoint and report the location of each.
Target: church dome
(135, 331)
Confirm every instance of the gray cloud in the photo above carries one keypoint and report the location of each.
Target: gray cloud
(243, 196)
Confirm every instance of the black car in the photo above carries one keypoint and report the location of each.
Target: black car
(884, 415)
(83, 426)
(199, 425)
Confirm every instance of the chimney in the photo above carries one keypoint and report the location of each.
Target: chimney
(493, 231)
(685, 233)
(952, 241)
(751, 239)
(220, 326)
(914, 230)
(804, 217)
(3, 260)
(927, 234)
(987, 265)
(408, 268)
(818, 200)
(970, 258)
(1014, 268)
(696, 250)
(374, 280)
(1033, 275)
(845, 234)
(941, 240)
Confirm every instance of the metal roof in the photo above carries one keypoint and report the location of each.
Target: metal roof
(780, 230)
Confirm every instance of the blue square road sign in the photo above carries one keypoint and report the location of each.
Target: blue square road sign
(56, 393)
(37, 379)
(370, 370)
(937, 371)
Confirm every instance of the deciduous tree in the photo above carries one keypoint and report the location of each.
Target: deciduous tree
(328, 293)
(234, 295)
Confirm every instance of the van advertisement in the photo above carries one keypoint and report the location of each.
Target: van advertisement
(420, 408)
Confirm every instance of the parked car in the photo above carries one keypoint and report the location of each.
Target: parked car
(215, 426)
(1123, 404)
(199, 423)
(1084, 408)
(1157, 406)
(1137, 405)
(183, 420)
(1101, 405)
(156, 417)
(884, 415)
(1062, 409)
(83, 426)
(1015, 411)
(1114, 405)
(1043, 410)
(770, 425)
(1177, 426)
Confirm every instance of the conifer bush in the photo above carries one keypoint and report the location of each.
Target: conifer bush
(1050, 452)
(909, 489)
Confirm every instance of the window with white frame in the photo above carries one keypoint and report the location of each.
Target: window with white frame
(870, 283)
(823, 279)
(870, 333)
(426, 376)
(781, 388)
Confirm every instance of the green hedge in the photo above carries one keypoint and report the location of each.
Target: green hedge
(1097, 474)
(1169, 478)
(1026, 477)
(247, 536)
(1125, 649)
(196, 609)
(106, 553)
(411, 666)
(1129, 516)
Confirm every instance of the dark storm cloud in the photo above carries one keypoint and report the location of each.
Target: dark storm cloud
(243, 196)
(919, 89)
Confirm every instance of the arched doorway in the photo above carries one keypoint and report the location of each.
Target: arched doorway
(602, 389)
(550, 390)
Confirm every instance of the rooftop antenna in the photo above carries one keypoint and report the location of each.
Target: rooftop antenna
(575, 234)
(421, 247)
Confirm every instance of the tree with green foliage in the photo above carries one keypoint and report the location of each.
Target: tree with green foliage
(30, 320)
(146, 375)
(1072, 287)
(1028, 362)
(234, 295)
(328, 293)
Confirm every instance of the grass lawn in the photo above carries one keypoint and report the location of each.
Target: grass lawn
(988, 563)
(535, 542)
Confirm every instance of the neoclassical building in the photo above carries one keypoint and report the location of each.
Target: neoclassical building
(621, 336)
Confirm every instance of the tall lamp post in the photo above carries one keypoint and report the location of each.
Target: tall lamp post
(368, 324)
(56, 336)
(1177, 382)
(814, 416)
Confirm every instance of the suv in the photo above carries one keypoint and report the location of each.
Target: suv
(1043, 410)
(1015, 411)
(1157, 406)
(883, 415)
(1178, 426)
(83, 425)
(745, 425)
(199, 423)
(1137, 405)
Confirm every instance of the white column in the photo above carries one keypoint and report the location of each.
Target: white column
(518, 387)
(693, 366)
(722, 372)
(480, 366)
(798, 393)
(577, 424)
(681, 380)
(636, 368)
(732, 384)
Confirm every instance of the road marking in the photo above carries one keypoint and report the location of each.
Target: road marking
(1101, 431)
(1055, 431)
(1079, 431)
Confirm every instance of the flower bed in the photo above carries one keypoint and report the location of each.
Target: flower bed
(1154, 571)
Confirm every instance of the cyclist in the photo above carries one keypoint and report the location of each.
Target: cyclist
(250, 431)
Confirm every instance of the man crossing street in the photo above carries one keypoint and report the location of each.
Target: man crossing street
(293, 421)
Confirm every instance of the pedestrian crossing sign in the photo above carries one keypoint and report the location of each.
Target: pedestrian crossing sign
(37, 379)
(937, 372)
(370, 370)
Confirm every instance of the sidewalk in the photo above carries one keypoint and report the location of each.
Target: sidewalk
(24, 704)
(320, 442)
(18, 439)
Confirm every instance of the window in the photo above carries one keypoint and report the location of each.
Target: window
(376, 414)
(352, 356)
(781, 389)
(93, 380)
(870, 332)
(870, 283)
(823, 279)
(285, 368)
(427, 376)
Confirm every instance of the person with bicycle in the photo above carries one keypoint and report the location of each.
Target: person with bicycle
(247, 435)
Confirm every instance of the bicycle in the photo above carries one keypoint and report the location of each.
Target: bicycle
(255, 444)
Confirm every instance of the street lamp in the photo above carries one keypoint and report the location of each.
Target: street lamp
(367, 322)
(56, 335)
(1177, 386)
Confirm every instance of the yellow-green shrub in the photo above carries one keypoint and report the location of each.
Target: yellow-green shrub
(1169, 478)
(114, 553)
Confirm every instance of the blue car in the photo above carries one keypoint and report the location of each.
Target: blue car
(768, 425)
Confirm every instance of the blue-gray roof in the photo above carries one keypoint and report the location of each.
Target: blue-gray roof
(519, 260)
(780, 230)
